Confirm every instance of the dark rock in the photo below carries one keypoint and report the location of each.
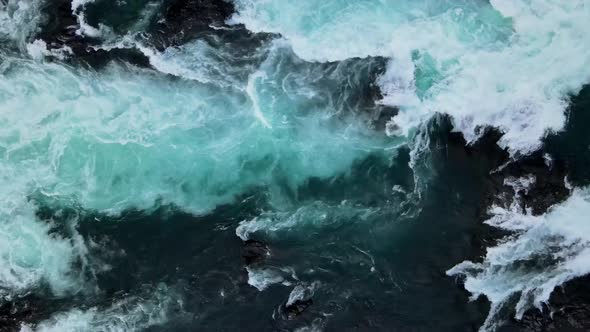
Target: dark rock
(572, 144)
(30, 309)
(569, 306)
(99, 58)
(60, 25)
(568, 310)
(469, 162)
(297, 308)
(254, 252)
(181, 21)
(482, 168)
(549, 187)
(299, 300)
(12, 313)
(384, 115)
(185, 20)
(59, 31)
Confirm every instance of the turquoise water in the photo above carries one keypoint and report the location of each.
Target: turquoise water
(328, 131)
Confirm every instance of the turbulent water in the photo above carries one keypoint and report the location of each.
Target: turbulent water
(275, 165)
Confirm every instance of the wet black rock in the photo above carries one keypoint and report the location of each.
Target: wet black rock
(12, 313)
(254, 252)
(569, 306)
(179, 21)
(572, 144)
(496, 164)
(297, 308)
(60, 25)
(383, 115)
(59, 32)
(549, 187)
(185, 20)
(568, 311)
(30, 309)
(470, 162)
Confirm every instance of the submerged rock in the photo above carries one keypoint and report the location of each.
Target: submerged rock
(297, 308)
(12, 313)
(568, 310)
(29, 308)
(177, 22)
(300, 299)
(61, 35)
(60, 25)
(254, 252)
(544, 184)
(185, 20)
(549, 187)
(495, 163)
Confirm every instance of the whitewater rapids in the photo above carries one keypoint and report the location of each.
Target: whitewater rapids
(196, 131)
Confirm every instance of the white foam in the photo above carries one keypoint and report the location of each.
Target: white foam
(84, 29)
(263, 277)
(315, 215)
(32, 255)
(510, 64)
(130, 314)
(38, 51)
(545, 252)
(19, 20)
(518, 85)
(129, 138)
(98, 142)
(302, 292)
(316, 326)
(251, 89)
(201, 68)
(322, 30)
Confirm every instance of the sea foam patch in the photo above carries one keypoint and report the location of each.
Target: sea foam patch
(19, 20)
(543, 253)
(128, 138)
(133, 313)
(495, 63)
